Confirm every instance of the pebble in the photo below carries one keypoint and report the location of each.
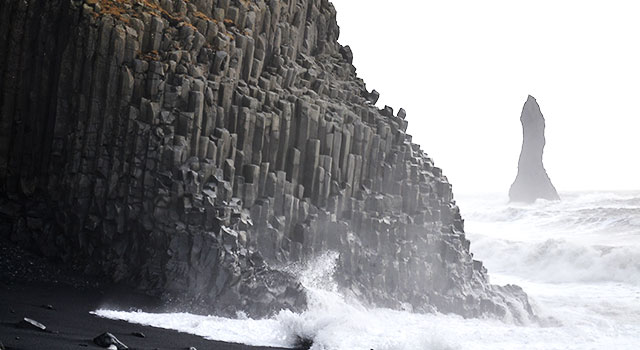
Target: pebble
(31, 324)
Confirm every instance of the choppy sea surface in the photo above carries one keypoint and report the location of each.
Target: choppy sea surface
(578, 259)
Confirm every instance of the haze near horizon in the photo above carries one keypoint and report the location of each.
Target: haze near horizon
(463, 70)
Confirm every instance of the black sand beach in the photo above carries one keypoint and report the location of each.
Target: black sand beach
(61, 300)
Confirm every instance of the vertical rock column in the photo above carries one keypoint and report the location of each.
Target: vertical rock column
(532, 181)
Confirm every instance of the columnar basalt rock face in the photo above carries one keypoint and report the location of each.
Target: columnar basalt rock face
(187, 147)
(532, 181)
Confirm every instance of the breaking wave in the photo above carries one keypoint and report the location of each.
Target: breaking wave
(332, 321)
(578, 259)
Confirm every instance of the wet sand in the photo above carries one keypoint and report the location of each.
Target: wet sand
(62, 300)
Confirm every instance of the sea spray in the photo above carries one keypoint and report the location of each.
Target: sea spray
(316, 273)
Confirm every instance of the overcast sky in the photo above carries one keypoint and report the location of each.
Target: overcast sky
(463, 70)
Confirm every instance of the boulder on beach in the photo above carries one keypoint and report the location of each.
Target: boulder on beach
(108, 340)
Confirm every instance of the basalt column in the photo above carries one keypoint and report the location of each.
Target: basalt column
(194, 148)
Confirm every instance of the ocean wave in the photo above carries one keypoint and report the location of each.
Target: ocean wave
(583, 237)
(559, 260)
(332, 321)
(579, 260)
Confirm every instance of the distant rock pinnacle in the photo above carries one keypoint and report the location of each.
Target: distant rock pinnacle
(532, 181)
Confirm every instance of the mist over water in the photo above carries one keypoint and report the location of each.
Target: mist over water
(578, 259)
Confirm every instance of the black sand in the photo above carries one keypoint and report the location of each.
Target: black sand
(28, 284)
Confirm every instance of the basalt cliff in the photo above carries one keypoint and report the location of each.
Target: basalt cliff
(532, 181)
(192, 148)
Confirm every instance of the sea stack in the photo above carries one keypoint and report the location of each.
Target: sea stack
(532, 181)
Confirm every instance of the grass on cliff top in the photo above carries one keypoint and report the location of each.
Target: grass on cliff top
(123, 10)
(120, 8)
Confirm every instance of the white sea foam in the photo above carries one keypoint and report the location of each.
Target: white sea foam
(579, 260)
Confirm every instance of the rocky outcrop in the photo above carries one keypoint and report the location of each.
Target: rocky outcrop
(532, 181)
(190, 147)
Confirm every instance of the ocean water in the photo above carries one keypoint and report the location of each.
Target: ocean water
(578, 259)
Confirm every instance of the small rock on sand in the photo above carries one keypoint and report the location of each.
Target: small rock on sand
(31, 324)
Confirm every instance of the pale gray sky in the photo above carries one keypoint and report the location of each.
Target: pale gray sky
(463, 70)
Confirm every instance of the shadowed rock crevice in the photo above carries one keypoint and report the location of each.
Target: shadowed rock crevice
(532, 181)
(188, 147)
